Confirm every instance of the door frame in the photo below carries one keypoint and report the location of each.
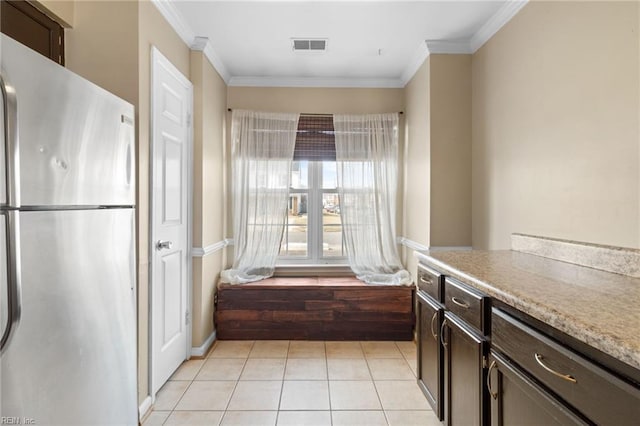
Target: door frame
(157, 58)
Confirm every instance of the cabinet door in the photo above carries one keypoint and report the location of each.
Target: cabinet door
(518, 400)
(430, 352)
(21, 21)
(465, 380)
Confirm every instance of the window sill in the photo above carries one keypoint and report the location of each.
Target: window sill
(324, 270)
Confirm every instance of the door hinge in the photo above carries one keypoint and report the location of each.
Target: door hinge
(485, 362)
(187, 317)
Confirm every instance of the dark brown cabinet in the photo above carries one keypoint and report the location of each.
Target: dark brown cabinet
(465, 379)
(516, 399)
(501, 367)
(21, 21)
(430, 352)
(590, 390)
(468, 304)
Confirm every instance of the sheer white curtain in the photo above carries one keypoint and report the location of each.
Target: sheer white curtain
(367, 159)
(262, 152)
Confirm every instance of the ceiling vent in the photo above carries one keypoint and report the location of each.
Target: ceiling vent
(309, 44)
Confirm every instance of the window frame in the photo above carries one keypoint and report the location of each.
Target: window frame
(314, 192)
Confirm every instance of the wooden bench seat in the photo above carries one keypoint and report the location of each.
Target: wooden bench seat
(335, 308)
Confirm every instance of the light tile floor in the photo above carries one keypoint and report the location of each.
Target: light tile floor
(269, 383)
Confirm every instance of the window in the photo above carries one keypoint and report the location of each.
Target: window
(313, 231)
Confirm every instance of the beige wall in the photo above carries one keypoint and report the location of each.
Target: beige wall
(417, 176)
(437, 189)
(62, 11)
(556, 126)
(315, 100)
(210, 100)
(450, 108)
(98, 53)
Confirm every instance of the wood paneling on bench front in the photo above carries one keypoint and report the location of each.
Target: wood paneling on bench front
(314, 309)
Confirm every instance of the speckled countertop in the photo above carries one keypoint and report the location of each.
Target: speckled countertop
(599, 308)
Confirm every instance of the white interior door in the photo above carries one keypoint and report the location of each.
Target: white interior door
(170, 242)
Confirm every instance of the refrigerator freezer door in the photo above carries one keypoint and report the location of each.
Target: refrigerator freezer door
(76, 139)
(9, 150)
(72, 359)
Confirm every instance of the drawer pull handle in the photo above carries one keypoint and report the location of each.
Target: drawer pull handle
(444, 344)
(491, 392)
(433, 319)
(567, 377)
(462, 303)
(426, 280)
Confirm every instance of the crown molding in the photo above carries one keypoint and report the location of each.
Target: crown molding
(389, 83)
(466, 46)
(189, 37)
(497, 21)
(449, 46)
(202, 44)
(175, 19)
(508, 10)
(199, 43)
(418, 58)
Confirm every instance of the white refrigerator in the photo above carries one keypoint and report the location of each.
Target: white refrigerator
(67, 240)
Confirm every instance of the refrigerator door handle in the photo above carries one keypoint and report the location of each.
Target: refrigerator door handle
(129, 135)
(14, 290)
(11, 188)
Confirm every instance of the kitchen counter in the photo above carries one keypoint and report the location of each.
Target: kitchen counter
(600, 309)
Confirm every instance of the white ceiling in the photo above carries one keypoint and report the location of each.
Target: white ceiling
(370, 43)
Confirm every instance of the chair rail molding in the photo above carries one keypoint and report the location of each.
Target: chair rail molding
(211, 248)
(413, 245)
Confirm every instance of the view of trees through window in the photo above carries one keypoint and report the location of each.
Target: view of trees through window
(313, 231)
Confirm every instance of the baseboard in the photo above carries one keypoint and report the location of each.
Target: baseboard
(202, 350)
(144, 409)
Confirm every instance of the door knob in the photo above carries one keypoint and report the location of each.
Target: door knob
(163, 245)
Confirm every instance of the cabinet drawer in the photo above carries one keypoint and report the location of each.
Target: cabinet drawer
(468, 304)
(599, 395)
(430, 282)
(518, 400)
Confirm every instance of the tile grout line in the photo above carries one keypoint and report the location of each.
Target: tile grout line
(226, 408)
(366, 359)
(284, 371)
(326, 364)
(187, 388)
